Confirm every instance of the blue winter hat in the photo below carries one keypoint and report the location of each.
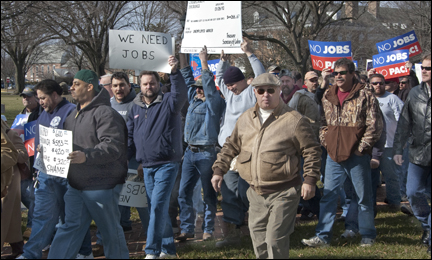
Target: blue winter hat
(233, 75)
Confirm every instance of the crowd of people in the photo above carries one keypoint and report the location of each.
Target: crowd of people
(267, 143)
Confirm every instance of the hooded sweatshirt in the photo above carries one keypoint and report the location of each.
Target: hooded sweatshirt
(124, 107)
(100, 132)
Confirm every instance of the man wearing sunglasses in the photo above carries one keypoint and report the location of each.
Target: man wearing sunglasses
(239, 97)
(353, 124)
(270, 163)
(415, 125)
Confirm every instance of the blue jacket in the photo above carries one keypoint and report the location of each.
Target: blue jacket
(154, 131)
(203, 116)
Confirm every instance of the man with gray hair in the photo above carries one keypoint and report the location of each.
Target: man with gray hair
(271, 166)
(105, 81)
(287, 85)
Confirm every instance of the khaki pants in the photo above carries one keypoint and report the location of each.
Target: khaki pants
(271, 221)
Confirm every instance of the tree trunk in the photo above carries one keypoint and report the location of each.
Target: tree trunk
(19, 75)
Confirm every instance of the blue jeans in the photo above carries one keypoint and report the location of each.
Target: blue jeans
(159, 181)
(195, 166)
(234, 199)
(417, 183)
(357, 169)
(81, 207)
(28, 199)
(391, 172)
(49, 207)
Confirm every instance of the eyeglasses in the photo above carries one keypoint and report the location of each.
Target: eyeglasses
(403, 82)
(343, 72)
(377, 83)
(425, 68)
(261, 91)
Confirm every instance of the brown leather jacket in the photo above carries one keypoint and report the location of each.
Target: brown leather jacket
(269, 154)
(357, 125)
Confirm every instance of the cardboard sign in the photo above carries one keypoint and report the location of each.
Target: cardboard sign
(55, 146)
(29, 137)
(18, 125)
(324, 54)
(133, 194)
(391, 64)
(407, 41)
(138, 50)
(218, 25)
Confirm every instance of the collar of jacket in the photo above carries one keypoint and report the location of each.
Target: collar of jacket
(332, 92)
(138, 99)
(203, 99)
(276, 112)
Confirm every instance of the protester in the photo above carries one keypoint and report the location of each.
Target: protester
(201, 134)
(271, 166)
(9, 157)
(353, 125)
(391, 107)
(99, 151)
(414, 126)
(154, 127)
(11, 218)
(273, 69)
(33, 110)
(287, 85)
(298, 79)
(239, 97)
(121, 101)
(249, 80)
(303, 102)
(50, 190)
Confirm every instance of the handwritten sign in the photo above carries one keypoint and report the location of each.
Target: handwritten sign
(29, 137)
(133, 194)
(55, 145)
(391, 64)
(407, 41)
(325, 54)
(138, 50)
(218, 25)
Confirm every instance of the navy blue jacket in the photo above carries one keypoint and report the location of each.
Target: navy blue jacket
(154, 132)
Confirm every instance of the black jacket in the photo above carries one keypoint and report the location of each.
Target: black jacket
(100, 132)
(414, 126)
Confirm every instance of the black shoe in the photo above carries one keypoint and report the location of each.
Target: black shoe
(426, 237)
(127, 229)
(407, 210)
(386, 201)
(308, 216)
(184, 236)
(340, 219)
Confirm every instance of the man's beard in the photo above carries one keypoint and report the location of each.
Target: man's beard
(150, 96)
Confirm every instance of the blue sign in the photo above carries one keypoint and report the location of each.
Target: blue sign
(195, 63)
(391, 64)
(324, 54)
(406, 41)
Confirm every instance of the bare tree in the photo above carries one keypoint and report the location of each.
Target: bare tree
(86, 25)
(289, 24)
(20, 37)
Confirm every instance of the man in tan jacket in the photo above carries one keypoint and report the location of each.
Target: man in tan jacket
(269, 161)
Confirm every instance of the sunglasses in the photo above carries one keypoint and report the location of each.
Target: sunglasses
(275, 73)
(343, 72)
(261, 91)
(377, 83)
(403, 82)
(425, 68)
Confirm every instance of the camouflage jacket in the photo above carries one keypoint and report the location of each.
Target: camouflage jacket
(356, 125)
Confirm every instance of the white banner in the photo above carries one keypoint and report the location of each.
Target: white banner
(138, 50)
(218, 25)
(133, 194)
(55, 146)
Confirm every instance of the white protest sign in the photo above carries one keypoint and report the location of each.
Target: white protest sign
(417, 67)
(218, 25)
(55, 144)
(138, 50)
(133, 194)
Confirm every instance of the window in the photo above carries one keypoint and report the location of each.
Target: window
(48, 67)
(42, 70)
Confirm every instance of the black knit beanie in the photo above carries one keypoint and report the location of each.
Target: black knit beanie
(233, 75)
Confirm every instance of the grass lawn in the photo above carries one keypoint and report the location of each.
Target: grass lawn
(13, 106)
